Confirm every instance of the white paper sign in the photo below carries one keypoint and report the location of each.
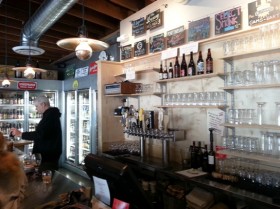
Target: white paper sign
(169, 53)
(188, 48)
(215, 118)
(101, 190)
(130, 75)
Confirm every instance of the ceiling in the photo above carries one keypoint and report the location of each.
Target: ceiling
(102, 18)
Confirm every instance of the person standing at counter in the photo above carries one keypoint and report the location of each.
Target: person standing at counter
(47, 136)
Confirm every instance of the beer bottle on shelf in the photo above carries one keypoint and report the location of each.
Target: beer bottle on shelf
(191, 66)
(199, 155)
(176, 73)
(170, 70)
(200, 64)
(193, 156)
(209, 62)
(205, 159)
(160, 73)
(183, 70)
(211, 153)
(165, 72)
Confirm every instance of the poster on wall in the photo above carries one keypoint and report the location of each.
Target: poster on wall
(157, 43)
(154, 20)
(69, 72)
(81, 72)
(138, 27)
(126, 52)
(228, 21)
(262, 11)
(140, 48)
(199, 29)
(175, 37)
(93, 68)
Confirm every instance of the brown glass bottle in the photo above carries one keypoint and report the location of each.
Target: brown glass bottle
(191, 66)
(209, 62)
(205, 159)
(211, 153)
(176, 73)
(200, 64)
(183, 70)
(160, 73)
(193, 156)
(170, 70)
(165, 72)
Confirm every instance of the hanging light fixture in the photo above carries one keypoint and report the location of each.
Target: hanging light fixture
(28, 69)
(82, 45)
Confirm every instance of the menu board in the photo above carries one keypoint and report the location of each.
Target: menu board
(154, 20)
(138, 26)
(157, 43)
(263, 11)
(140, 48)
(175, 37)
(228, 21)
(199, 29)
(126, 52)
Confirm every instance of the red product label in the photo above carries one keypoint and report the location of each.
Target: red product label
(27, 85)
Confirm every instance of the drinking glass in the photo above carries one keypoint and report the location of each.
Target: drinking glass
(36, 159)
(277, 113)
(231, 115)
(258, 68)
(230, 78)
(47, 176)
(260, 112)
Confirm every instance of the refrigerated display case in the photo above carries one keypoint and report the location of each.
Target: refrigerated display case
(81, 122)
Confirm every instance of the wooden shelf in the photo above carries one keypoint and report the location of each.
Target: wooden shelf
(257, 86)
(250, 54)
(192, 106)
(191, 77)
(249, 155)
(253, 126)
(134, 95)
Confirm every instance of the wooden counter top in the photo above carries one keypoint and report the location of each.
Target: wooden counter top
(22, 142)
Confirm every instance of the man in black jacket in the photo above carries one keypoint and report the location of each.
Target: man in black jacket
(47, 136)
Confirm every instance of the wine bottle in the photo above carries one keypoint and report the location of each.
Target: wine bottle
(191, 66)
(209, 62)
(170, 70)
(205, 159)
(160, 73)
(211, 153)
(193, 156)
(199, 156)
(176, 73)
(183, 70)
(200, 64)
(165, 72)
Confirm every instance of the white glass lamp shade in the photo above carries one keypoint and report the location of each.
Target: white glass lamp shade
(83, 51)
(6, 83)
(29, 73)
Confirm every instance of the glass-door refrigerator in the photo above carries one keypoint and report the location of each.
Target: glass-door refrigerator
(81, 125)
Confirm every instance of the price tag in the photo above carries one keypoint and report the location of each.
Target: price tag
(188, 48)
(130, 75)
(169, 53)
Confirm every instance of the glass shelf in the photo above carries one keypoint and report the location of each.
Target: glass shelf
(251, 156)
(191, 77)
(254, 126)
(192, 106)
(257, 86)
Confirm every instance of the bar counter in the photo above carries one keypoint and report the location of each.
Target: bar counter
(37, 193)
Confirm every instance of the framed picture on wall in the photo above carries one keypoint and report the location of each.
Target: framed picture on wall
(138, 27)
(81, 72)
(199, 29)
(140, 48)
(228, 21)
(176, 37)
(126, 52)
(157, 43)
(154, 20)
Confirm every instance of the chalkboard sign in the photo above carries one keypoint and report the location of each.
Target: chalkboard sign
(70, 71)
(263, 11)
(154, 20)
(126, 52)
(140, 48)
(81, 72)
(228, 21)
(138, 27)
(157, 43)
(175, 37)
(199, 29)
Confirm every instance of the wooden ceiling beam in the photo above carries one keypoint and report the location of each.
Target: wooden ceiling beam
(131, 5)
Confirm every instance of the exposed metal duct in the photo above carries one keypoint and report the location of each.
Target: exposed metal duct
(45, 16)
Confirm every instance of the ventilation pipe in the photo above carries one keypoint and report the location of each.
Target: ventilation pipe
(45, 16)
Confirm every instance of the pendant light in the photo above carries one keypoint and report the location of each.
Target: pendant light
(28, 69)
(82, 45)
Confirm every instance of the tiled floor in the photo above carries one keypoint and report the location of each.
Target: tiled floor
(76, 178)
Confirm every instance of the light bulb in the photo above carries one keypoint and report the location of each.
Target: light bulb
(6, 83)
(29, 73)
(83, 51)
